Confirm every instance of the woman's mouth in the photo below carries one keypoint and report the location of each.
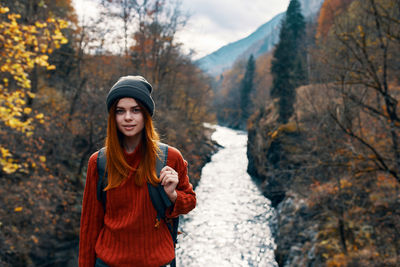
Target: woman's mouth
(129, 127)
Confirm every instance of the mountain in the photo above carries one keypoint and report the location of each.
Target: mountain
(222, 59)
(257, 43)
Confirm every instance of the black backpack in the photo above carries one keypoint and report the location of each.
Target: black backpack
(157, 194)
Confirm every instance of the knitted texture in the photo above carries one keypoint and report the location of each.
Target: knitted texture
(132, 86)
(125, 234)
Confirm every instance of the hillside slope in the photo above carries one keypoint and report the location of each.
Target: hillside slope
(259, 42)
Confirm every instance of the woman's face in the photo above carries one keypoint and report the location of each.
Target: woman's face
(129, 117)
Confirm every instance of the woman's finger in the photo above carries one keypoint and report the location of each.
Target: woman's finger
(166, 174)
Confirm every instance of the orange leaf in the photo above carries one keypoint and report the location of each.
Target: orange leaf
(18, 209)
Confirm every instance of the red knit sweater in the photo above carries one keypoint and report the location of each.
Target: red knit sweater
(125, 234)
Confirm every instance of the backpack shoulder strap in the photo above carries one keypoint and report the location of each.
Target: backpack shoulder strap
(160, 199)
(162, 157)
(157, 194)
(102, 181)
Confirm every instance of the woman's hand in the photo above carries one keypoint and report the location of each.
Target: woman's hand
(169, 180)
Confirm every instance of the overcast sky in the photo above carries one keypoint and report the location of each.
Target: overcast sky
(215, 23)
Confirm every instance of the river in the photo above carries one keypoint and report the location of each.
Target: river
(230, 225)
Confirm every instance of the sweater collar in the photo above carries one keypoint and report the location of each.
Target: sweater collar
(133, 156)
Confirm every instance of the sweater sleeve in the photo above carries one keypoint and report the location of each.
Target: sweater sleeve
(92, 217)
(186, 197)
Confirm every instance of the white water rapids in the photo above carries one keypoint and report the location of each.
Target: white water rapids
(230, 225)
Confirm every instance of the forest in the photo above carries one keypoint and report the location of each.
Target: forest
(320, 111)
(325, 145)
(55, 74)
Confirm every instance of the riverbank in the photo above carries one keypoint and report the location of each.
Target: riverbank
(333, 207)
(274, 162)
(201, 151)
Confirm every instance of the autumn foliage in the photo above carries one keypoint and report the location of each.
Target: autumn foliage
(22, 48)
(329, 11)
(333, 170)
(360, 51)
(54, 78)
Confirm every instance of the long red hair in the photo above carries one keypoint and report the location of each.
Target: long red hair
(117, 168)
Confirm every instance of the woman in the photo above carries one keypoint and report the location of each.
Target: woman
(123, 233)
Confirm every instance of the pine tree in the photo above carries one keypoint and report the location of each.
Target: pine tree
(245, 91)
(288, 69)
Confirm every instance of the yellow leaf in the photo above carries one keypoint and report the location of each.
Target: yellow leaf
(39, 116)
(64, 40)
(10, 168)
(63, 23)
(31, 95)
(4, 10)
(40, 25)
(51, 67)
(42, 158)
(5, 152)
(27, 110)
(274, 134)
(18, 209)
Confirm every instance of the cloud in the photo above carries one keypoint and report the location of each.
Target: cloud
(235, 14)
(213, 24)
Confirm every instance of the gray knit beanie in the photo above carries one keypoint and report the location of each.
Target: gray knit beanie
(132, 86)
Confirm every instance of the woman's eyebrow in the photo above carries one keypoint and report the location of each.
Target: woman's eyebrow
(136, 106)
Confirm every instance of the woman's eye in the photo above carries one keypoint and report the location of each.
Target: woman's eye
(119, 111)
(136, 110)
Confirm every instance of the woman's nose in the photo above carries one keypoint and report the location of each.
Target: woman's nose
(128, 115)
